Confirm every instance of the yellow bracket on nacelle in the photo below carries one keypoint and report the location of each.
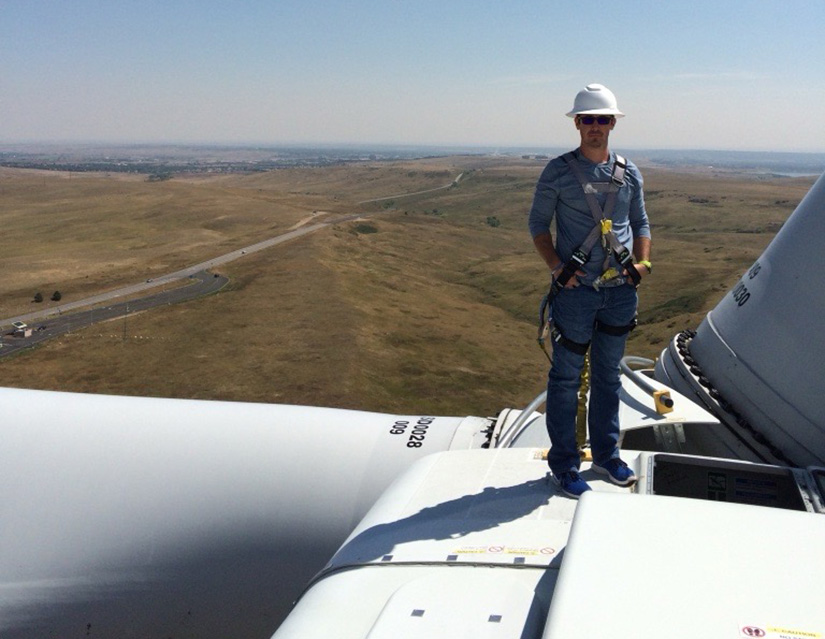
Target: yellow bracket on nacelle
(663, 402)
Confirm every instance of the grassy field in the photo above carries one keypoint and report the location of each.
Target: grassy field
(426, 304)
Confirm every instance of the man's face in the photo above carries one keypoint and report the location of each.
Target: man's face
(595, 129)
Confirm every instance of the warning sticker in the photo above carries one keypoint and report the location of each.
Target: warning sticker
(504, 550)
(470, 550)
(769, 631)
(521, 550)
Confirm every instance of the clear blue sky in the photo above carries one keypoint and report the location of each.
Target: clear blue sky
(708, 74)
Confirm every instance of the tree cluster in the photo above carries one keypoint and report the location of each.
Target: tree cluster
(56, 297)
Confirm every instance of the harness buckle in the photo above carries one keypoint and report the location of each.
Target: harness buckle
(619, 168)
(609, 275)
(579, 257)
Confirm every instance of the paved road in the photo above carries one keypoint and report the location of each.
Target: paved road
(57, 321)
(30, 318)
(202, 283)
(396, 197)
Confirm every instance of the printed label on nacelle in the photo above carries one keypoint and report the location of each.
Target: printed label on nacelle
(416, 432)
(752, 283)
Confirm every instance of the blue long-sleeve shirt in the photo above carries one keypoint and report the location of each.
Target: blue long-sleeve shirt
(559, 194)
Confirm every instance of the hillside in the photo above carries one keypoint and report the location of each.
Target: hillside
(427, 304)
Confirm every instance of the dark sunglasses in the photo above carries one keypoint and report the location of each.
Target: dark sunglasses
(600, 119)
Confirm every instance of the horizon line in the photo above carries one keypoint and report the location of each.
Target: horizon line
(373, 145)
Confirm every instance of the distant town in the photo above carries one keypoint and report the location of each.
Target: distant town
(167, 160)
(162, 161)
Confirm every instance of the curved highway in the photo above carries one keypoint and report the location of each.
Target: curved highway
(203, 283)
(54, 321)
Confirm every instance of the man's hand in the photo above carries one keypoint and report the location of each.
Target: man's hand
(642, 269)
(573, 282)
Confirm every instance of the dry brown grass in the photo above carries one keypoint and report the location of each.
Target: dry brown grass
(423, 307)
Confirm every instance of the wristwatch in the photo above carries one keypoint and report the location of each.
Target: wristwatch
(647, 265)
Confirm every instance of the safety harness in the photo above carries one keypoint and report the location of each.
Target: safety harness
(603, 230)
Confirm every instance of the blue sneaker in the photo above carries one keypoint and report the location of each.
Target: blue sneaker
(617, 472)
(571, 484)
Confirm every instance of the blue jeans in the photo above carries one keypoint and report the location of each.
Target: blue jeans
(575, 312)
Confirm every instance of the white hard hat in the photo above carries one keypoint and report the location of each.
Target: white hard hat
(595, 99)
